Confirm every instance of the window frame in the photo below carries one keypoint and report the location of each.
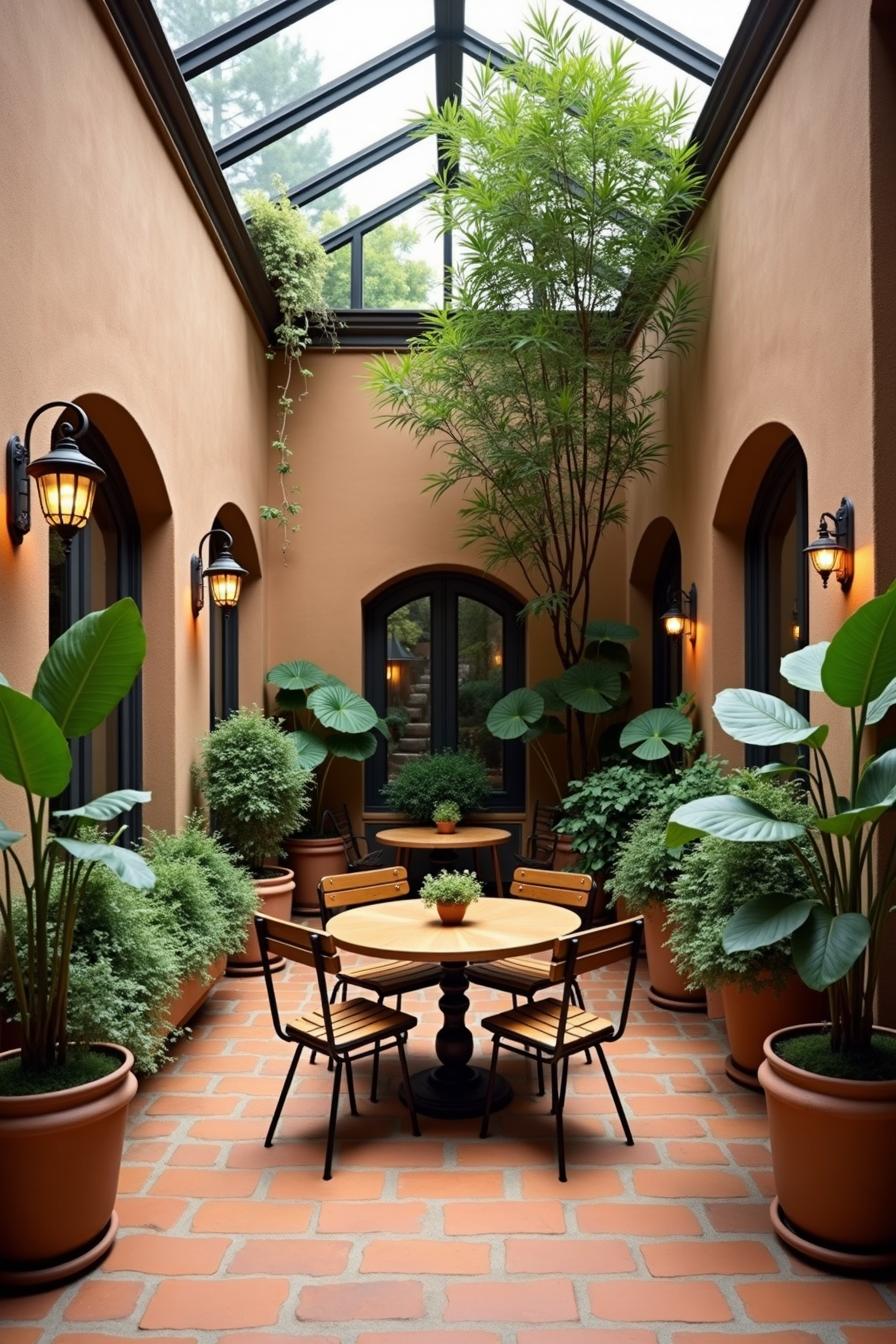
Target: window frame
(667, 651)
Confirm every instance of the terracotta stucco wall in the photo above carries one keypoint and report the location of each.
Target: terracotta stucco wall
(114, 291)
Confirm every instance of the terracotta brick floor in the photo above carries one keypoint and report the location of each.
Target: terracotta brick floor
(447, 1239)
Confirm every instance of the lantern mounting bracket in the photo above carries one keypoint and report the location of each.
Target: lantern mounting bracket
(18, 460)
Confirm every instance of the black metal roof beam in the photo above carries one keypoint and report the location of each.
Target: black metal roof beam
(449, 30)
(356, 228)
(654, 36)
(340, 173)
(329, 96)
(237, 35)
(482, 50)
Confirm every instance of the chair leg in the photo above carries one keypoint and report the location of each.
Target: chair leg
(539, 1069)
(287, 1084)
(489, 1092)
(331, 1130)
(617, 1102)
(406, 1079)
(559, 1089)
(350, 1079)
(375, 1072)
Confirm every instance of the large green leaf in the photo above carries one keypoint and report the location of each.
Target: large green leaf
(826, 946)
(109, 805)
(8, 837)
(861, 660)
(728, 817)
(352, 746)
(33, 751)
(802, 668)
(298, 675)
(875, 795)
(617, 631)
(882, 703)
(759, 719)
(590, 687)
(310, 749)
(651, 734)
(3, 680)
(340, 708)
(91, 667)
(124, 863)
(515, 714)
(763, 921)
(547, 689)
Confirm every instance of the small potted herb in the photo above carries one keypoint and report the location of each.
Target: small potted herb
(450, 893)
(446, 816)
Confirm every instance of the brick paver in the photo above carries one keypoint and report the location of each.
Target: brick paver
(447, 1239)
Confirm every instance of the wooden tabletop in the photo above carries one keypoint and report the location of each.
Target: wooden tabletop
(492, 928)
(427, 837)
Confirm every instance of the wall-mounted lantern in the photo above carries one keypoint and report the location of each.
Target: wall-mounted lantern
(681, 616)
(396, 658)
(66, 479)
(225, 575)
(832, 550)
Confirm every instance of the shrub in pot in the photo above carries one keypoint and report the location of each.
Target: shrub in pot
(63, 1101)
(644, 879)
(450, 893)
(257, 793)
(830, 1086)
(446, 817)
(598, 813)
(760, 990)
(457, 777)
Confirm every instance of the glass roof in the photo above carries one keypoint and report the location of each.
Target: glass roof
(317, 92)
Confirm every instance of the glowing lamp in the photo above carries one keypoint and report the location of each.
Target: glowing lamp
(66, 479)
(681, 616)
(225, 575)
(832, 550)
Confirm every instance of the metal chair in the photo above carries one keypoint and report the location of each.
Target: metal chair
(382, 978)
(559, 1029)
(541, 844)
(358, 855)
(340, 1031)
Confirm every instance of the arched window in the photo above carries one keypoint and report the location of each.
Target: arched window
(440, 649)
(224, 650)
(666, 651)
(777, 592)
(103, 565)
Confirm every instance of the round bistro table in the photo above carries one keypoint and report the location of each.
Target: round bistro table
(493, 928)
(405, 838)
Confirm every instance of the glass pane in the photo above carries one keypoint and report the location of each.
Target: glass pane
(409, 683)
(184, 20)
(365, 192)
(480, 681)
(101, 539)
(784, 562)
(712, 25)
(403, 262)
(338, 284)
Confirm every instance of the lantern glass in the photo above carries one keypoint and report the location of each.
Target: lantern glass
(66, 498)
(225, 587)
(674, 623)
(825, 558)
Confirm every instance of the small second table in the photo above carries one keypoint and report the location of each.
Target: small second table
(492, 929)
(405, 838)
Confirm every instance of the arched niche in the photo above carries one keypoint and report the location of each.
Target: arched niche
(654, 578)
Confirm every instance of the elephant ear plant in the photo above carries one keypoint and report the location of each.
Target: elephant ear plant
(85, 674)
(835, 930)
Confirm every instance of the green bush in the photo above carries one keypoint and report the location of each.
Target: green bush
(255, 789)
(645, 869)
(447, 777)
(717, 878)
(598, 812)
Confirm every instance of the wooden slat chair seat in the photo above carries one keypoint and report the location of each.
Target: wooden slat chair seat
(541, 843)
(344, 1033)
(558, 1029)
(358, 854)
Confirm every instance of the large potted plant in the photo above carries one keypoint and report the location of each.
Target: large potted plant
(644, 878)
(63, 1100)
(257, 793)
(830, 1086)
(457, 777)
(329, 722)
(760, 990)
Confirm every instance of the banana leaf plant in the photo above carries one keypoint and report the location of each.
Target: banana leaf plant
(573, 705)
(87, 671)
(329, 721)
(836, 933)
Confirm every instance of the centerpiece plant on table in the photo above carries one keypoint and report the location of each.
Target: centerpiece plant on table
(63, 1099)
(830, 1086)
(451, 893)
(447, 816)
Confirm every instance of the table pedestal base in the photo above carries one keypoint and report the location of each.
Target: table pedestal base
(456, 1098)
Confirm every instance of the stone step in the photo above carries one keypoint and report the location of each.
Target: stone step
(399, 758)
(418, 728)
(418, 699)
(413, 746)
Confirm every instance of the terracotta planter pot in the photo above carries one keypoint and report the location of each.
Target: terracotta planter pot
(667, 986)
(192, 995)
(275, 894)
(715, 1004)
(60, 1154)
(751, 1015)
(832, 1151)
(451, 912)
(310, 861)
(446, 827)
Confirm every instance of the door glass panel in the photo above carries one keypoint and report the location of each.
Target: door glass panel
(784, 563)
(409, 683)
(480, 680)
(102, 578)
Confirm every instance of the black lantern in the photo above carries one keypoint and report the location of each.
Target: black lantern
(681, 616)
(832, 550)
(225, 575)
(66, 479)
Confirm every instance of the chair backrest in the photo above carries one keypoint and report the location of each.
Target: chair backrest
(301, 944)
(338, 821)
(345, 890)
(576, 891)
(578, 953)
(543, 839)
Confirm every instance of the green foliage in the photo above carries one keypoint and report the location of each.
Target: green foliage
(476, 698)
(646, 870)
(652, 735)
(447, 888)
(530, 388)
(836, 930)
(446, 812)
(448, 776)
(598, 812)
(873, 1062)
(82, 1066)
(718, 878)
(393, 276)
(255, 788)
